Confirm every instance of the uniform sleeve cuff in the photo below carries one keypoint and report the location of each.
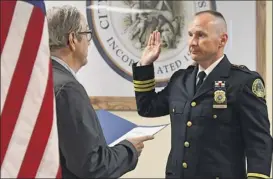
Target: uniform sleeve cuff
(143, 72)
(143, 78)
(144, 86)
(259, 175)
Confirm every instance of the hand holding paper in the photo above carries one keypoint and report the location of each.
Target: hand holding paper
(138, 142)
(139, 132)
(116, 129)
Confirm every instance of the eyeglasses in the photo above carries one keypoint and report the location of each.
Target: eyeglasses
(88, 34)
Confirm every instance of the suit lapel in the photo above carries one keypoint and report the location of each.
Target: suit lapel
(190, 82)
(220, 72)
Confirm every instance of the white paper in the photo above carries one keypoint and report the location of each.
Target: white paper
(138, 132)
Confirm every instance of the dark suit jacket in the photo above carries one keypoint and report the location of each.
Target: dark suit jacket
(83, 149)
(209, 142)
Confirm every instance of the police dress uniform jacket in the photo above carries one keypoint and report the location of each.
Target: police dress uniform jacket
(209, 142)
(83, 149)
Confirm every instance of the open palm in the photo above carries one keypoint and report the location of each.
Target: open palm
(152, 50)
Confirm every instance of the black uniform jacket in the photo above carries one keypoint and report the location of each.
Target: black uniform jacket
(209, 142)
(83, 149)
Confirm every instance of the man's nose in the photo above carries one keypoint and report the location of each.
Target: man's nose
(193, 42)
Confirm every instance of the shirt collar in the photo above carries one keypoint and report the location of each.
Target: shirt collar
(211, 67)
(65, 65)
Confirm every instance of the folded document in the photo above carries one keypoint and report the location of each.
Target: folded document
(116, 129)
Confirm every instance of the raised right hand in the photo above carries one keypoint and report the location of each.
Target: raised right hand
(138, 142)
(152, 50)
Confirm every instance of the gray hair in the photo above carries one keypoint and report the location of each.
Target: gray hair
(62, 21)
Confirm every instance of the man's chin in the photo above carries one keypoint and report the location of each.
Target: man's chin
(195, 58)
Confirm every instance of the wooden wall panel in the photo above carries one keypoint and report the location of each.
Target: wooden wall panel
(261, 37)
(114, 103)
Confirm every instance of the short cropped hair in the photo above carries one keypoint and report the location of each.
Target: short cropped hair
(213, 13)
(62, 21)
(218, 16)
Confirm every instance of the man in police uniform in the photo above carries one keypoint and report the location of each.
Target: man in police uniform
(218, 110)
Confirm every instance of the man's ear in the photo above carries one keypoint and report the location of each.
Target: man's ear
(72, 41)
(223, 40)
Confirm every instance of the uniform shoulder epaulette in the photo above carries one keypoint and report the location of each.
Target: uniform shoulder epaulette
(244, 69)
(241, 67)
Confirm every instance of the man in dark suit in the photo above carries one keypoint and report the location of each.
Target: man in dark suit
(218, 110)
(83, 149)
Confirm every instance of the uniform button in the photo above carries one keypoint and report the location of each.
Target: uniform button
(186, 144)
(173, 109)
(214, 116)
(185, 165)
(193, 104)
(189, 123)
(217, 178)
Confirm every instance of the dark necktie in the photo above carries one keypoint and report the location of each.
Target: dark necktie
(201, 77)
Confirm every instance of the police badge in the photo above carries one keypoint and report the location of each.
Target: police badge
(220, 99)
(220, 96)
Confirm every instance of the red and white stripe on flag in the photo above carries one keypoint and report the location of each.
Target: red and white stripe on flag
(29, 139)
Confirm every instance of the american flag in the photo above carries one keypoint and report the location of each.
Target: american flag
(29, 139)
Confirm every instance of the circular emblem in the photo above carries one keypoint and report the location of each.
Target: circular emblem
(122, 28)
(219, 96)
(258, 88)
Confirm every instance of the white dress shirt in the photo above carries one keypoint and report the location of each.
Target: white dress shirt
(209, 69)
(65, 65)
